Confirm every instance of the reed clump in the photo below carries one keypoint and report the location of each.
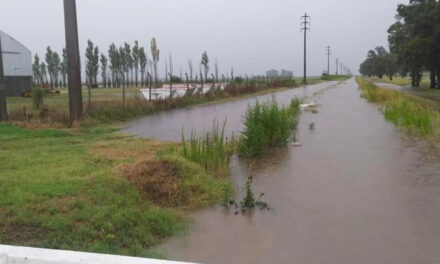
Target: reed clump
(267, 125)
(212, 150)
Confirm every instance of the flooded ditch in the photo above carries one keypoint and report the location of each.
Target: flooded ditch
(357, 191)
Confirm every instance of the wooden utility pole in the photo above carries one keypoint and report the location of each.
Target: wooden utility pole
(305, 25)
(328, 52)
(3, 109)
(73, 61)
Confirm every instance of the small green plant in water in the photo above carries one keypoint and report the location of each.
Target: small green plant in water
(249, 201)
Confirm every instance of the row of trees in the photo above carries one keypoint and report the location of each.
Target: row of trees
(414, 41)
(120, 67)
(379, 63)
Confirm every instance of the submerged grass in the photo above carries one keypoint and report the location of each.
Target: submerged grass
(267, 125)
(88, 190)
(403, 110)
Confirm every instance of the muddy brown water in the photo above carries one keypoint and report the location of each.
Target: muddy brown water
(357, 191)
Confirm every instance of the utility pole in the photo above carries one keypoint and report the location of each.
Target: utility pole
(305, 25)
(73, 60)
(337, 66)
(342, 73)
(3, 109)
(328, 52)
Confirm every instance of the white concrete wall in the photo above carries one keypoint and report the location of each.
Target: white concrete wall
(25, 255)
(17, 59)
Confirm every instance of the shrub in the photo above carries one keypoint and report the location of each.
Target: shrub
(37, 97)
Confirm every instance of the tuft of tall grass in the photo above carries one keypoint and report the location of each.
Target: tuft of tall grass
(267, 125)
(211, 150)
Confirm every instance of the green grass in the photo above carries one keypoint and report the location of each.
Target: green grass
(404, 110)
(267, 125)
(65, 189)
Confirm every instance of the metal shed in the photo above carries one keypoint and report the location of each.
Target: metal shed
(17, 65)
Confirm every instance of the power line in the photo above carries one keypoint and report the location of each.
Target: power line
(305, 25)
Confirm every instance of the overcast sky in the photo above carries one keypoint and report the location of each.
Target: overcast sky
(251, 35)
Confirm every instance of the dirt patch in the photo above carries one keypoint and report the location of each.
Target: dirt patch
(23, 235)
(158, 179)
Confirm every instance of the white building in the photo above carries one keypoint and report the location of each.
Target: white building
(17, 65)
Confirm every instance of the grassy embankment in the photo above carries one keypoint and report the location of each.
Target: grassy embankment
(96, 190)
(93, 189)
(406, 111)
(424, 91)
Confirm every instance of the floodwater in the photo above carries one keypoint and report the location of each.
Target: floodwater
(357, 191)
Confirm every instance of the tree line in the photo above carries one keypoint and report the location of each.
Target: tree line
(123, 66)
(414, 41)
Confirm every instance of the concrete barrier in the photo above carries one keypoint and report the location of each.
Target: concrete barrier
(26, 255)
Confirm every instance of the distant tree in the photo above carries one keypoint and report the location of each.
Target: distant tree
(63, 68)
(155, 52)
(123, 66)
(216, 70)
(92, 63)
(115, 64)
(104, 65)
(205, 64)
(50, 65)
(37, 71)
(136, 61)
(56, 64)
(143, 61)
(128, 63)
(232, 72)
(171, 65)
(166, 70)
(190, 69)
(43, 72)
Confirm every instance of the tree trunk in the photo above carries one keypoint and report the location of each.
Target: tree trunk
(136, 76)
